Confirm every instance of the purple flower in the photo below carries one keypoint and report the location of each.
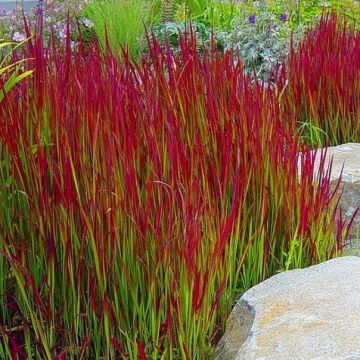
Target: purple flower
(252, 19)
(39, 8)
(283, 16)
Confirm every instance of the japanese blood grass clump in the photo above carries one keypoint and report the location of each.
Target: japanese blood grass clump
(139, 201)
(322, 87)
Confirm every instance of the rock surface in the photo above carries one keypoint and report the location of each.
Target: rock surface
(311, 313)
(346, 163)
(347, 155)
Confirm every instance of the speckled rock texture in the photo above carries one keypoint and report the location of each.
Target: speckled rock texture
(347, 155)
(311, 313)
(346, 163)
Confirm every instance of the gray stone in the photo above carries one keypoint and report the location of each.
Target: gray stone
(311, 313)
(345, 164)
(346, 160)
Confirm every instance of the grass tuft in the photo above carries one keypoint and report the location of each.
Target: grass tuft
(139, 201)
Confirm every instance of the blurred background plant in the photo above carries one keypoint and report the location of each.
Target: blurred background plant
(171, 33)
(120, 23)
(307, 12)
(53, 16)
(262, 40)
(167, 8)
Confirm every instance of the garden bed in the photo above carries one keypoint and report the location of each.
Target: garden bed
(149, 177)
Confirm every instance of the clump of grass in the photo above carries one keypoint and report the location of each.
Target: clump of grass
(323, 88)
(139, 200)
(120, 23)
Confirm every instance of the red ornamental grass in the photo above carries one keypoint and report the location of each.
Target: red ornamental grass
(323, 88)
(140, 199)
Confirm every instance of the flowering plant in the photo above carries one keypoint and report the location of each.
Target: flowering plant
(262, 40)
(53, 16)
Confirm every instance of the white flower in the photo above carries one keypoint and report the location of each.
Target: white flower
(18, 37)
(87, 23)
(63, 33)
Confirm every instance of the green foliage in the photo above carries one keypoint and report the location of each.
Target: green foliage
(221, 13)
(311, 134)
(349, 8)
(121, 22)
(307, 12)
(218, 14)
(10, 72)
(172, 32)
(196, 8)
(167, 10)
